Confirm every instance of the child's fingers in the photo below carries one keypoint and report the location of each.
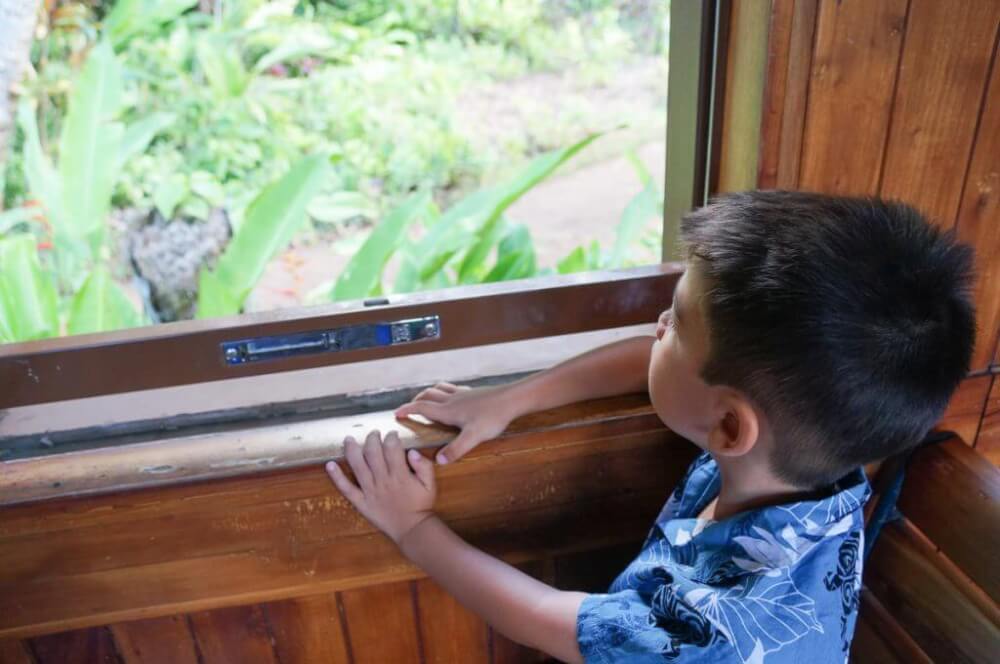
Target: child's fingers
(429, 409)
(394, 455)
(423, 468)
(343, 484)
(456, 449)
(375, 456)
(358, 464)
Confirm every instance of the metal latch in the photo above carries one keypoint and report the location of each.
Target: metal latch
(351, 337)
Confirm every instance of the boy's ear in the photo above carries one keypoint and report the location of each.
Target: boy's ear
(736, 431)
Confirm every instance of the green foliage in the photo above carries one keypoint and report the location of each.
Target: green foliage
(28, 301)
(271, 220)
(101, 305)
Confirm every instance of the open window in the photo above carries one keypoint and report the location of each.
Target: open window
(180, 379)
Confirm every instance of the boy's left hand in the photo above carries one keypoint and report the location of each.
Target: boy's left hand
(390, 495)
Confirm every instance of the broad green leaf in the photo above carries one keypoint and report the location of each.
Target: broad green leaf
(169, 193)
(140, 134)
(642, 209)
(364, 271)
(43, 181)
(130, 18)
(515, 256)
(90, 145)
(219, 59)
(19, 215)
(518, 265)
(214, 297)
(340, 206)
(270, 221)
(473, 267)
(471, 211)
(575, 261)
(506, 194)
(101, 305)
(28, 299)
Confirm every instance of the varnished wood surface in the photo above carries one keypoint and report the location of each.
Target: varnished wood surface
(952, 494)
(988, 442)
(72, 563)
(936, 613)
(854, 70)
(965, 410)
(236, 453)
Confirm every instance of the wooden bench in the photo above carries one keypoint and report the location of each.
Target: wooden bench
(932, 582)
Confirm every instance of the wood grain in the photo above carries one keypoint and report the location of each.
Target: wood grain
(166, 640)
(966, 408)
(988, 442)
(233, 635)
(906, 580)
(850, 94)
(81, 646)
(773, 103)
(71, 563)
(952, 494)
(14, 651)
(449, 631)
(979, 222)
(878, 638)
(942, 78)
(382, 624)
(307, 629)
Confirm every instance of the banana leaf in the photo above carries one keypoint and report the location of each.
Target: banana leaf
(28, 299)
(643, 208)
(89, 148)
(506, 194)
(271, 219)
(101, 305)
(364, 271)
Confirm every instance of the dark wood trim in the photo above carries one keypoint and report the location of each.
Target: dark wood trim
(190, 352)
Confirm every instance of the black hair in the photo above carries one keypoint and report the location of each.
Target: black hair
(847, 320)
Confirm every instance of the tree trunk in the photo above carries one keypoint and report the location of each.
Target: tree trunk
(17, 23)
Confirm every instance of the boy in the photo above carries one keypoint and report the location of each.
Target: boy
(809, 335)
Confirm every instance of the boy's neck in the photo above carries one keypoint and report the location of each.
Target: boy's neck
(747, 485)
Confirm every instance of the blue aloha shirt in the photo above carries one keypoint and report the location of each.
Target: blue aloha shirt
(775, 585)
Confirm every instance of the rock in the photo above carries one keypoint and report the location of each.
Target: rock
(169, 254)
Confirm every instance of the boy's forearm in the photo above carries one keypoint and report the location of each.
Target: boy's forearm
(520, 607)
(621, 367)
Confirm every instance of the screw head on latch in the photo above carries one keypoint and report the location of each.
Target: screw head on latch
(430, 329)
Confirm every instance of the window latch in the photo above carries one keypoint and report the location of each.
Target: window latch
(350, 337)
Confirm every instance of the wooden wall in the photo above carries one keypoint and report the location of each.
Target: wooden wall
(899, 98)
(277, 567)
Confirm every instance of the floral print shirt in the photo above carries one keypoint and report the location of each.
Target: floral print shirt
(775, 585)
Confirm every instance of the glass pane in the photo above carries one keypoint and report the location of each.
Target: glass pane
(181, 159)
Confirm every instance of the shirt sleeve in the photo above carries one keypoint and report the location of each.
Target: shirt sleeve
(627, 627)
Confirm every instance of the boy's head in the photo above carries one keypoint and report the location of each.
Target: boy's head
(842, 325)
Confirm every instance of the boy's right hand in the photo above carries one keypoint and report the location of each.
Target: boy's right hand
(482, 413)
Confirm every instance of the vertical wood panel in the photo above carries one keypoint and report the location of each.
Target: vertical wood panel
(988, 442)
(382, 624)
(775, 79)
(966, 408)
(979, 221)
(800, 53)
(14, 651)
(81, 646)
(854, 70)
(236, 635)
(451, 633)
(942, 77)
(165, 640)
(307, 630)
